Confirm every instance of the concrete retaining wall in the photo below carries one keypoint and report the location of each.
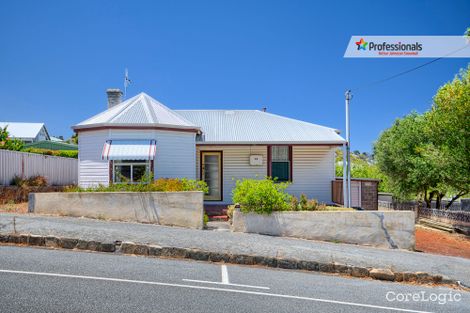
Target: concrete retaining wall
(395, 229)
(164, 208)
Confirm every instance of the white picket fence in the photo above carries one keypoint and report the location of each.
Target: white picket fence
(57, 170)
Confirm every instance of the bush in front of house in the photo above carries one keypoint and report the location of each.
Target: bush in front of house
(32, 181)
(160, 184)
(266, 196)
(261, 196)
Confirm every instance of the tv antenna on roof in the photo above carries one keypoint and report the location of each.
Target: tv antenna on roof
(127, 82)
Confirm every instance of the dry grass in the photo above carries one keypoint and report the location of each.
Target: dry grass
(11, 207)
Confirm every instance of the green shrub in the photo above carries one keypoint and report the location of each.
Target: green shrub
(261, 196)
(161, 184)
(60, 153)
(303, 202)
(206, 219)
(294, 204)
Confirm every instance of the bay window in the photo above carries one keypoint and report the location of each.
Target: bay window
(130, 171)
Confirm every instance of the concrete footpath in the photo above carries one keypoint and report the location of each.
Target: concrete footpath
(454, 268)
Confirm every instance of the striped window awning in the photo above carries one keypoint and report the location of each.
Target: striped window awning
(129, 149)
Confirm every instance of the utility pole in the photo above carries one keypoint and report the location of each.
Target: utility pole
(347, 157)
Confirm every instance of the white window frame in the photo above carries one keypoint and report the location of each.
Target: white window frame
(130, 163)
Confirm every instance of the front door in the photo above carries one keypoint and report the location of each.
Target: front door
(211, 173)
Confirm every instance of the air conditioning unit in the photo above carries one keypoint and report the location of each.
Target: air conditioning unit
(256, 159)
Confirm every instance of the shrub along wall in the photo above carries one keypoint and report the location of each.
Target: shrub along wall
(18, 194)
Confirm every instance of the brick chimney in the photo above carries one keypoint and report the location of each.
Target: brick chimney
(114, 97)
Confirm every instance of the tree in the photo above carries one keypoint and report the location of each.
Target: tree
(73, 139)
(7, 143)
(449, 129)
(428, 154)
(362, 166)
(401, 154)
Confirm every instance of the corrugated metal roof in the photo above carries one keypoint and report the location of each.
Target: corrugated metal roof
(137, 111)
(22, 130)
(253, 126)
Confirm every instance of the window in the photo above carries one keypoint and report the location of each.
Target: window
(130, 171)
(281, 163)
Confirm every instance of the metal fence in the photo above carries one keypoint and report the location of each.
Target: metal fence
(446, 216)
(57, 170)
(454, 215)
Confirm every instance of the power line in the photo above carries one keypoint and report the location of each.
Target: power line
(406, 71)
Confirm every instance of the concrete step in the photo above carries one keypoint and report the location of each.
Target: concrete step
(437, 225)
(220, 218)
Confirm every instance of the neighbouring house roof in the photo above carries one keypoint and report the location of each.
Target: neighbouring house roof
(24, 130)
(253, 126)
(57, 139)
(141, 110)
(52, 145)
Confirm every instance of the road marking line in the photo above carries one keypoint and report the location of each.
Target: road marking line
(224, 274)
(249, 292)
(225, 284)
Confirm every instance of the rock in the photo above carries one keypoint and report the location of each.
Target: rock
(308, 265)
(155, 250)
(287, 264)
(141, 249)
(242, 259)
(265, 261)
(82, 244)
(68, 243)
(24, 239)
(198, 255)
(437, 279)
(52, 242)
(173, 252)
(410, 277)
(102, 247)
(326, 267)
(93, 245)
(4, 238)
(424, 278)
(399, 277)
(128, 247)
(382, 274)
(35, 240)
(219, 257)
(358, 271)
(342, 268)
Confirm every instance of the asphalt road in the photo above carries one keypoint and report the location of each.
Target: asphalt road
(42, 280)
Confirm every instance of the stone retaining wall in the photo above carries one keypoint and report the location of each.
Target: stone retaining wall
(393, 229)
(202, 255)
(164, 208)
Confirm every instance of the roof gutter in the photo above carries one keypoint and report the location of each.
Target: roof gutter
(101, 126)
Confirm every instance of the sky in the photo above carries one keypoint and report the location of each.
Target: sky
(57, 58)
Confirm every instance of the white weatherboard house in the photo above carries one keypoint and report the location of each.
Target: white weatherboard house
(142, 135)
